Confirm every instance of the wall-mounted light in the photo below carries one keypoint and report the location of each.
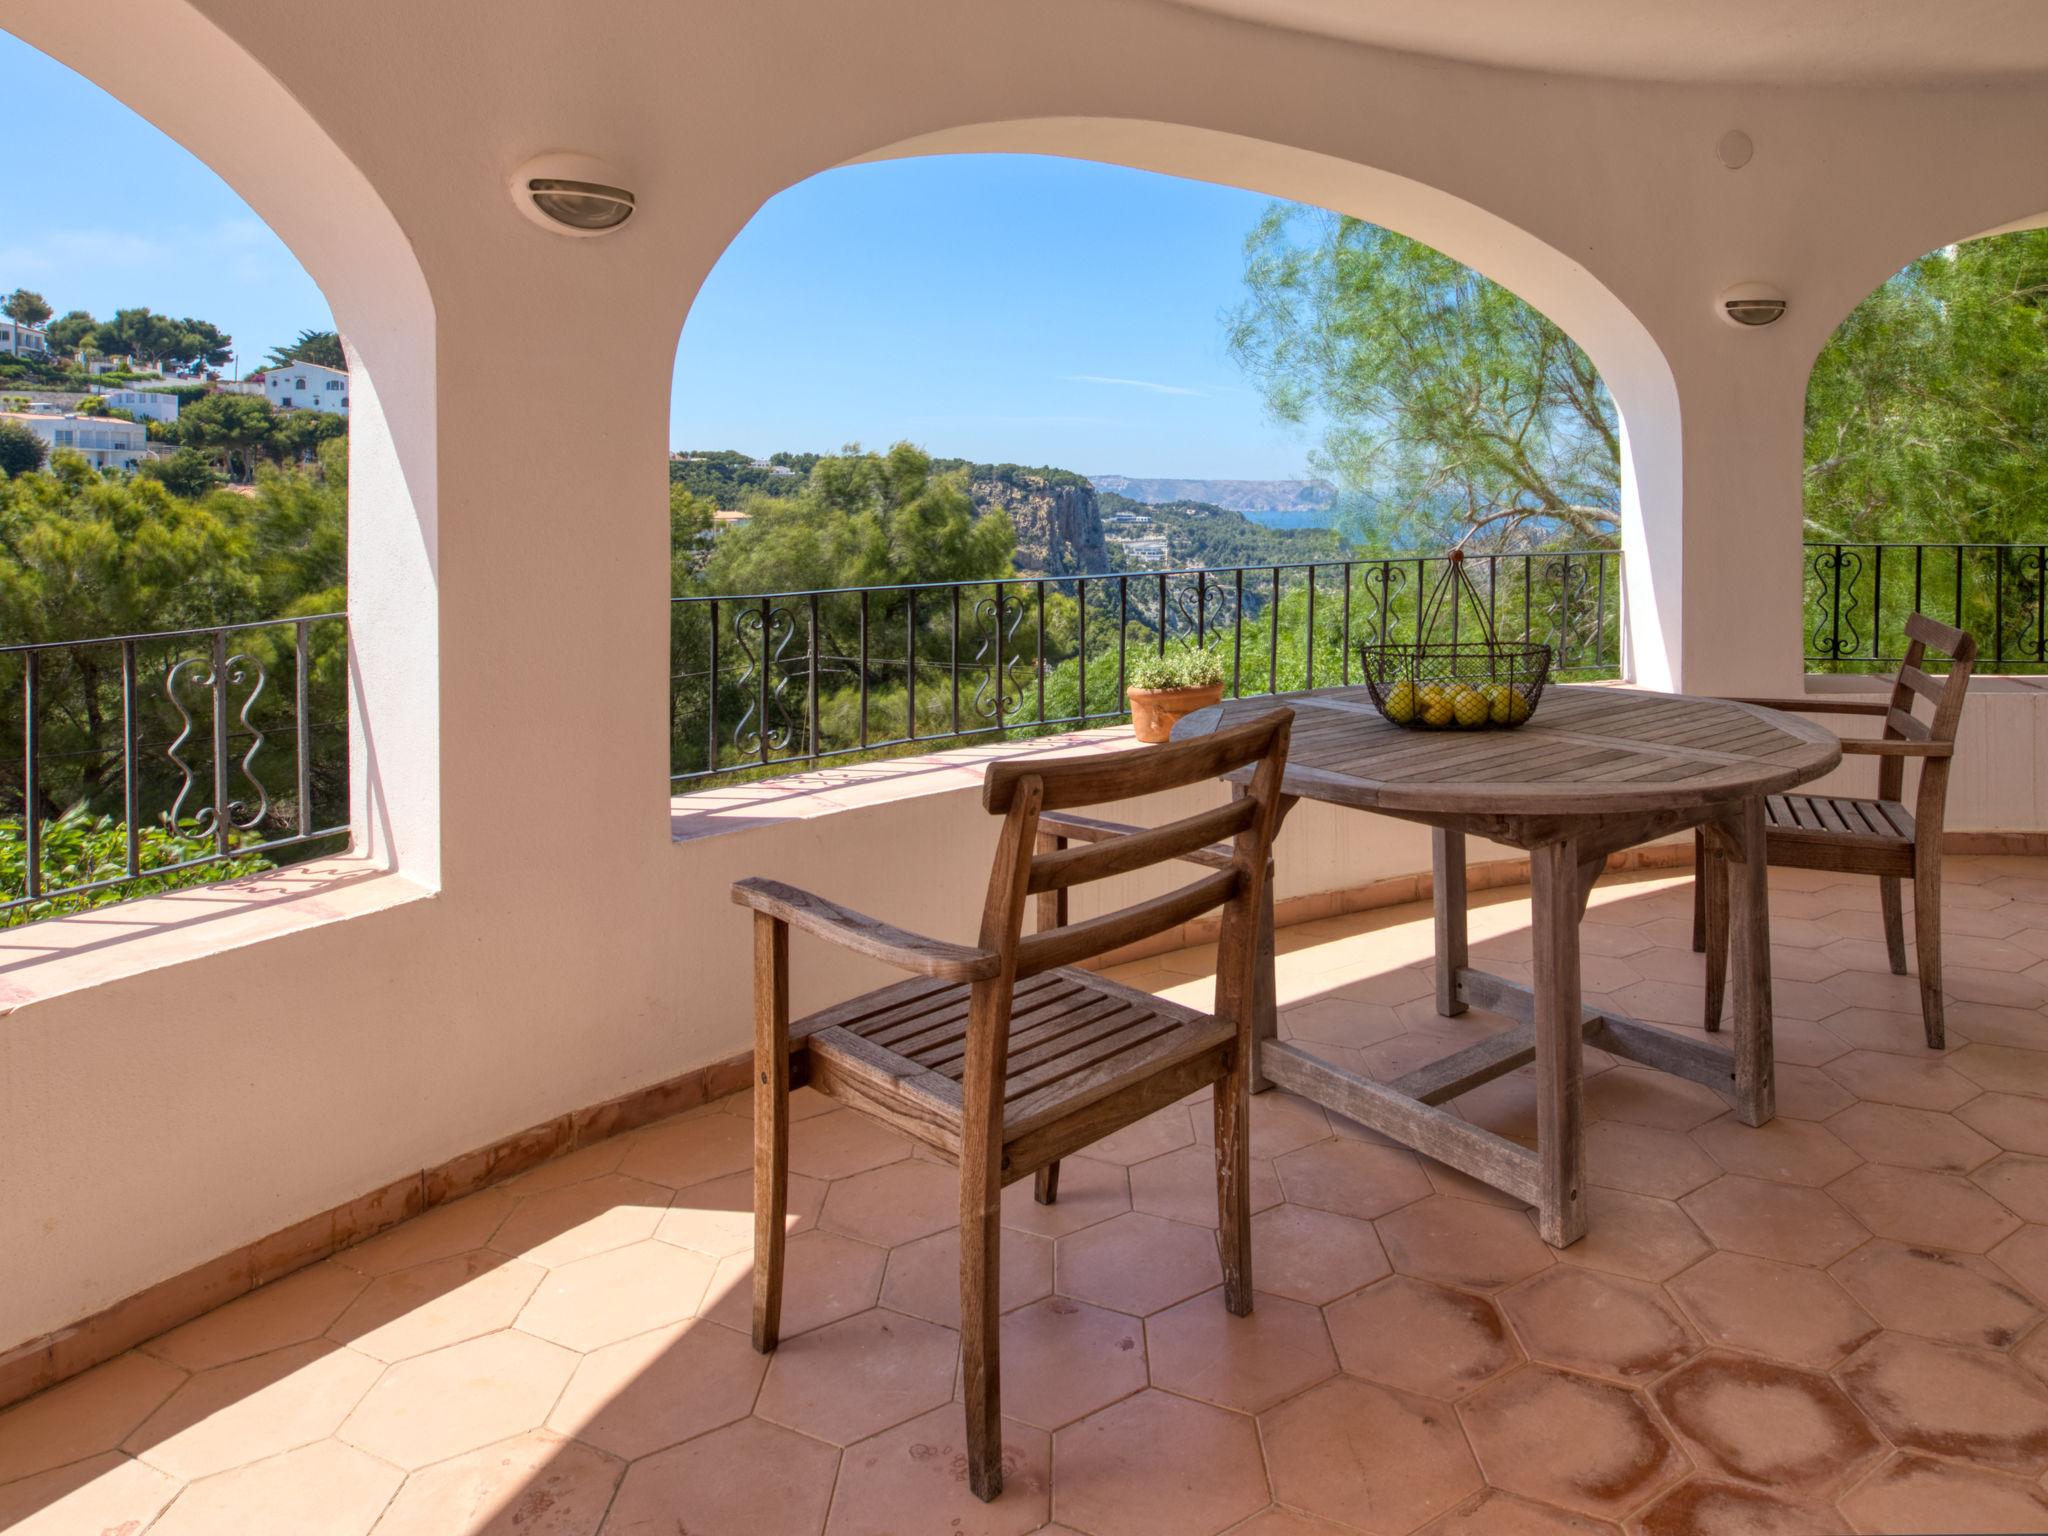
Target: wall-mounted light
(1752, 304)
(571, 194)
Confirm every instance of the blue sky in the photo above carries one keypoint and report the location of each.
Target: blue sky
(988, 307)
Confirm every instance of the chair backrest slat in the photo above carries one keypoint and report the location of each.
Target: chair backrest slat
(1098, 935)
(1945, 692)
(1127, 775)
(1138, 850)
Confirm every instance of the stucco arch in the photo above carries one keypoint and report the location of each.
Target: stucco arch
(1621, 346)
(300, 183)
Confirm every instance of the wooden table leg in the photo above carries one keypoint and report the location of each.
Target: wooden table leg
(1749, 959)
(1447, 881)
(1555, 904)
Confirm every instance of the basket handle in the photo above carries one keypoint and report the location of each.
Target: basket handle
(1455, 583)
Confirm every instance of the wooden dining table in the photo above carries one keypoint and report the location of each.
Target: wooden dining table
(1595, 771)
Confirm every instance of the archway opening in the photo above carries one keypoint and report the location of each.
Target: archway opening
(813, 625)
(1926, 465)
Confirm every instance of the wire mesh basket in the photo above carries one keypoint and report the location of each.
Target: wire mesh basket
(1458, 685)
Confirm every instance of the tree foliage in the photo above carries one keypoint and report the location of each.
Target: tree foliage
(21, 451)
(1449, 407)
(322, 347)
(1927, 411)
(26, 307)
(155, 338)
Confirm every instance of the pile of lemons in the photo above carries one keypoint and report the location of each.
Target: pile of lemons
(1442, 706)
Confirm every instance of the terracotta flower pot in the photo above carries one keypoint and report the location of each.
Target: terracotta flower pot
(1154, 710)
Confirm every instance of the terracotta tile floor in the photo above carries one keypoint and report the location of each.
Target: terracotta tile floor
(1832, 1323)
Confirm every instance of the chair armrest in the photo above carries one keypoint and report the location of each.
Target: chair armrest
(1820, 705)
(1898, 748)
(866, 935)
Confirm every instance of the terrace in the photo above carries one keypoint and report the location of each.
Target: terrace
(403, 1188)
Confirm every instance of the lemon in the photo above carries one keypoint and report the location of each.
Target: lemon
(1437, 712)
(1469, 705)
(1512, 709)
(1401, 703)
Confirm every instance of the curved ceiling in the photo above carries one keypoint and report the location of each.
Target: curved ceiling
(1776, 42)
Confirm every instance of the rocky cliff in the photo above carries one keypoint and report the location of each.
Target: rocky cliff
(1059, 526)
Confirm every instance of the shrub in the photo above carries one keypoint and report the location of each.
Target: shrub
(79, 848)
(1177, 669)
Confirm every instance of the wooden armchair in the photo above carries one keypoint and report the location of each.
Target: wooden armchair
(1001, 1056)
(1865, 837)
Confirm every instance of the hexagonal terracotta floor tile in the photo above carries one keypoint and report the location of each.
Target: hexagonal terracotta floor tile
(824, 1277)
(1946, 1401)
(1199, 1350)
(2024, 1256)
(1280, 1123)
(1774, 1221)
(559, 1226)
(1570, 1441)
(1368, 1456)
(852, 1379)
(657, 1390)
(1704, 1506)
(235, 1414)
(457, 1399)
(1182, 1185)
(1352, 1178)
(1114, 1481)
(1640, 1096)
(322, 1489)
(1313, 1256)
(2003, 1068)
(919, 1470)
(1646, 1161)
(1421, 1337)
(838, 1145)
(440, 1233)
(1340, 1021)
(1089, 1192)
(691, 1150)
(288, 1311)
(2014, 1121)
(1790, 1430)
(1935, 1210)
(1808, 1093)
(1916, 1493)
(1599, 1324)
(2020, 1184)
(753, 1477)
(717, 1218)
(431, 1306)
(91, 1413)
(896, 1203)
(1063, 1359)
(1957, 1297)
(536, 1484)
(612, 1296)
(1884, 1078)
(1463, 1243)
(923, 1278)
(1636, 1235)
(1912, 1138)
(1137, 1263)
(1786, 1311)
(1790, 1151)
(107, 1492)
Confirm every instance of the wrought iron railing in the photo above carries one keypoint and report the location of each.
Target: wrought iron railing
(145, 757)
(781, 680)
(1858, 597)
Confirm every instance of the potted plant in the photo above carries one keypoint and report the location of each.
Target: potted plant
(1164, 688)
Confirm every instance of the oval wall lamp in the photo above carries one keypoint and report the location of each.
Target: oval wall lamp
(1752, 304)
(571, 195)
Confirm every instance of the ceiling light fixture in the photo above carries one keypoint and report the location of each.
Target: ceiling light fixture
(572, 195)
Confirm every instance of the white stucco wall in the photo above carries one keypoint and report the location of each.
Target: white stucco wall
(508, 558)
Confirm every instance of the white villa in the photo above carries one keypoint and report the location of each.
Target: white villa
(17, 339)
(144, 404)
(107, 442)
(305, 386)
